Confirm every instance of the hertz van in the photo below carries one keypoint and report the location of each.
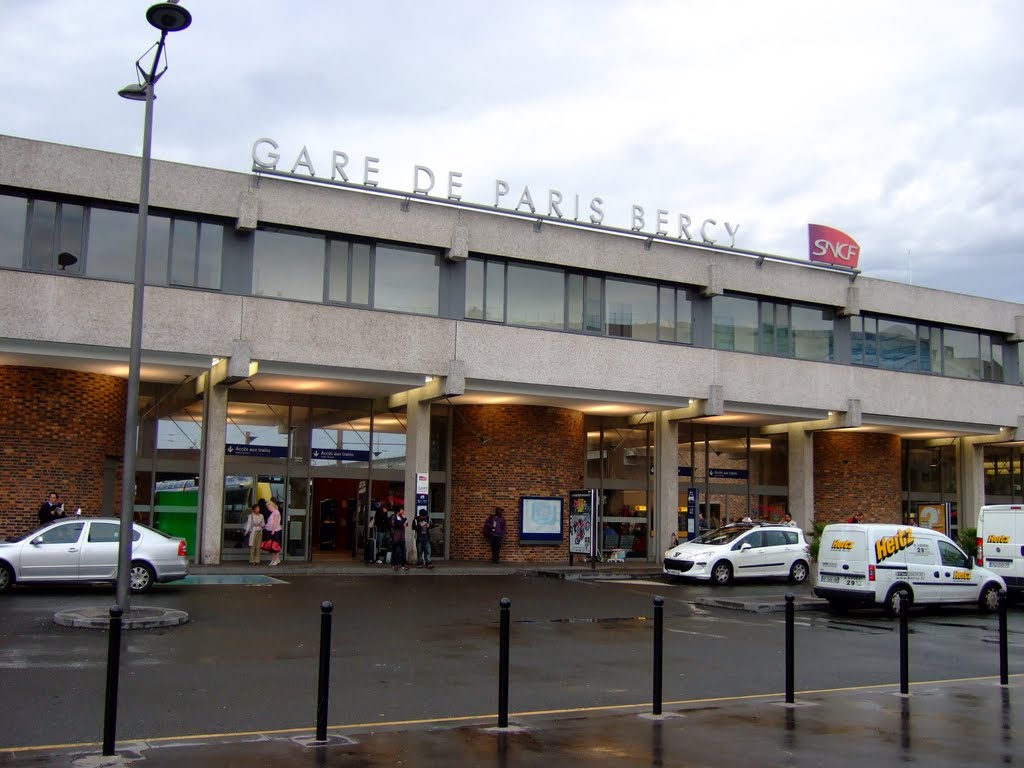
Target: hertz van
(873, 564)
(1001, 542)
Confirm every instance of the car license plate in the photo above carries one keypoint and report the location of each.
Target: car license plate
(998, 563)
(826, 579)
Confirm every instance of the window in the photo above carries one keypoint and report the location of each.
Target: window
(13, 211)
(104, 532)
(55, 228)
(813, 333)
(631, 309)
(62, 534)
(536, 297)
(734, 323)
(951, 556)
(675, 315)
(961, 354)
(485, 290)
(288, 266)
(584, 303)
(406, 280)
(747, 324)
(348, 276)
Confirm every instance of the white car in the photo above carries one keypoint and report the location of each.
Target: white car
(85, 549)
(742, 550)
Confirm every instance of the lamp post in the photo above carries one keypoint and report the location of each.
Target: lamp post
(167, 17)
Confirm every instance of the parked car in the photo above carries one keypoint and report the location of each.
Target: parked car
(85, 549)
(742, 550)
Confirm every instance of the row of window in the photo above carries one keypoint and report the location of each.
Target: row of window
(39, 234)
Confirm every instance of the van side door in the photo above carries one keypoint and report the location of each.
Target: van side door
(924, 572)
(959, 583)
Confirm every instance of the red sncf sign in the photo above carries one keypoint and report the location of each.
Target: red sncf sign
(831, 246)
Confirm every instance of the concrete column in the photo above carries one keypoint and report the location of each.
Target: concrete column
(666, 492)
(801, 476)
(970, 458)
(211, 510)
(417, 458)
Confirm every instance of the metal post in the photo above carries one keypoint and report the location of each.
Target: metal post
(131, 415)
(324, 687)
(1004, 666)
(904, 644)
(658, 647)
(790, 643)
(113, 664)
(503, 664)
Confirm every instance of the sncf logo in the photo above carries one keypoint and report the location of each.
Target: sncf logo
(831, 246)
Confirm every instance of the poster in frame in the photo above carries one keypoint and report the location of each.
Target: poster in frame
(540, 520)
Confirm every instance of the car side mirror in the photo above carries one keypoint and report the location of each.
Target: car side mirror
(36, 541)
(970, 561)
(745, 546)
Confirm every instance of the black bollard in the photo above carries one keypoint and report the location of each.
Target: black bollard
(658, 647)
(904, 644)
(503, 665)
(324, 688)
(1004, 666)
(113, 671)
(790, 622)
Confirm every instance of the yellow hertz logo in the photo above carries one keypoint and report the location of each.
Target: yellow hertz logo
(840, 544)
(997, 540)
(890, 545)
(961, 575)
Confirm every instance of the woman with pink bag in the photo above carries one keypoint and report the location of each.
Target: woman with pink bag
(273, 531)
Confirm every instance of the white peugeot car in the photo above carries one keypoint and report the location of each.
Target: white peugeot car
(742, 550)
(85, 549)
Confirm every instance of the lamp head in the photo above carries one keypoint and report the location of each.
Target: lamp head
(168, 17)
(65, 260)
(134, 92)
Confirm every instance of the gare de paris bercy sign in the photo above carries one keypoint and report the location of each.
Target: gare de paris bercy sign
(266, 157)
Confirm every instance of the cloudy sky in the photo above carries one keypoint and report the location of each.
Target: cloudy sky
(897, 121)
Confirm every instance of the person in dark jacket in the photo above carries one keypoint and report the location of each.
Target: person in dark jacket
(422, 525)
(494, 532)
(398, 525)
(51, 509)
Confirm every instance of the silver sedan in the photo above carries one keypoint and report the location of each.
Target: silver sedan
(85, 549)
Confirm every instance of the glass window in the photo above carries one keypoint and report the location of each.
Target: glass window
(406, 279)
(734, 320)
(494, 285)
(813, 333)
(104, 532)
(584, 302)
(211, 248)
(675, 315)
(72, 235)
(961, 354)
(42, 230)
(897, 345)
(184, 242)
(348, 272)
(337, 270)
(991, 359)
(63, 534)
(360, 286)
(924, 343)
(684, 317)
(536, 297)
(474, 309)
(288, 266)
(112, 236)
(12, 230)
(631, 309)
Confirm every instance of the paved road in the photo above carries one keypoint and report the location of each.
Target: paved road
(410, 649)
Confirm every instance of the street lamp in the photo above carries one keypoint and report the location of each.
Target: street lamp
(167, 17)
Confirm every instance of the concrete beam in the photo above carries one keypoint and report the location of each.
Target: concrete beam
(851, 417)
(714, 405)
(438, 388)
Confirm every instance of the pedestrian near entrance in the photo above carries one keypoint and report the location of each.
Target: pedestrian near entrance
(787, 519)
(494, 532)
(254, 527)
(51, 509)
(422, 525)
(398, 525)
(273, 531)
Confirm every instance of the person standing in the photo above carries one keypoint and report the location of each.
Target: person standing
(51, 509)
(494, 532)
(254, 527)
(398, 526)
(273, 529)
(422, 525)
(787, 519)
(380, 527)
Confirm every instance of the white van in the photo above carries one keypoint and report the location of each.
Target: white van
(877, 564)
(1001, 542)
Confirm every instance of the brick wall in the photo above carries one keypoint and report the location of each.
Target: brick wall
(529, 451)
(857, 471)
(58, 429)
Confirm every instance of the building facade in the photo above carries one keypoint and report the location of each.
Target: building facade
(344, 347)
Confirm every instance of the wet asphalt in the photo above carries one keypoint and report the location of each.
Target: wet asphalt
(413, 661)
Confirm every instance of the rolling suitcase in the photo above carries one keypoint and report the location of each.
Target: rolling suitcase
(370, 554)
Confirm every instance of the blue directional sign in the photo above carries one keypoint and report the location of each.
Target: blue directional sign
(261, 451)
(340, 454)
(731, 474)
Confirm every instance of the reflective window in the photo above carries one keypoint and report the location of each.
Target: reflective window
(288, 266)
(775, 329)
(961, 354)
(536, 297)
(12, 230)
(406, 280)
(631, 309)
(734, 320)
(104, 532)
(42, 231)
(112, 236)
(813, 333)
(485, 290)
(208, 263)
(897, 345)
(184, 244)
(348, 272)
(584, 303)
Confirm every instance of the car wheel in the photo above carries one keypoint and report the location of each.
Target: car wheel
(894, 598)
(6, 577)
(799, 572)
(141, 578)
(722, 573)
(988, 600)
